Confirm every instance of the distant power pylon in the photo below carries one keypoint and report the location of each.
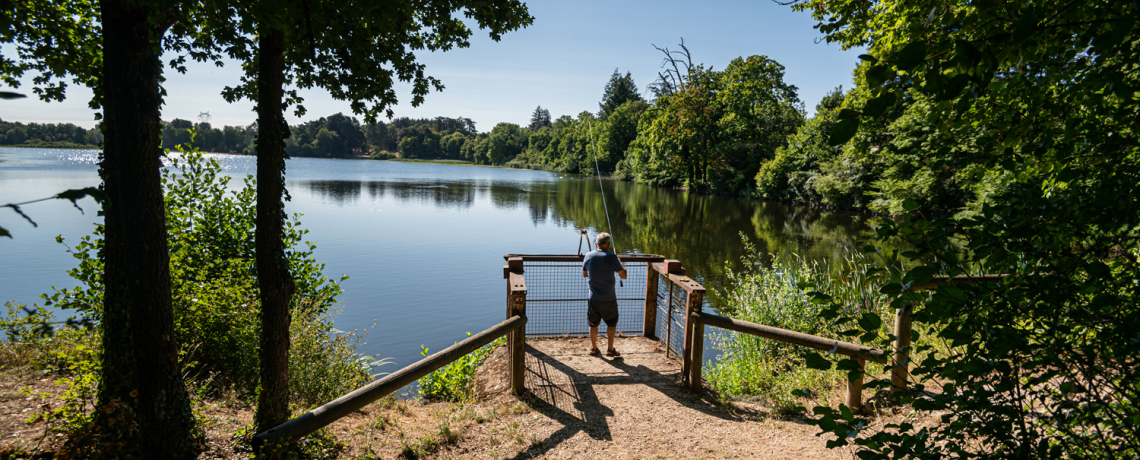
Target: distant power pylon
(204, 117)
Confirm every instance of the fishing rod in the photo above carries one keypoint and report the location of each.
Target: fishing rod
(597, 168)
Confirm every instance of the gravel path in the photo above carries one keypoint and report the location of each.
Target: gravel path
(632, 406)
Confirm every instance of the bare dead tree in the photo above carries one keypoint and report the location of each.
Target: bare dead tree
(672, 79)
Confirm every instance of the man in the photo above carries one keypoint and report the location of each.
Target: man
(599, 267)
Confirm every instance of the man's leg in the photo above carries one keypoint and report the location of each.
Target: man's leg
(610, 330)
(594, 338)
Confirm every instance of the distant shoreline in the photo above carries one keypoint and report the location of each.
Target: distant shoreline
(55, 146)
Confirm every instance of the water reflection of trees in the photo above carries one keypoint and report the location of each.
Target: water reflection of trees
(700, 230)
(440, 194)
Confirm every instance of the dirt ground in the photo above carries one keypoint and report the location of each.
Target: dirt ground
(578, 406)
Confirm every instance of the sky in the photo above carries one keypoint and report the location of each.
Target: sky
(561, 62)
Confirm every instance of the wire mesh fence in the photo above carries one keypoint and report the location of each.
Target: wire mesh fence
(558, 295)
(671, 303)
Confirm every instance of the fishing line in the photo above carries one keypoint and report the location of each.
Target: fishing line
(597, 168)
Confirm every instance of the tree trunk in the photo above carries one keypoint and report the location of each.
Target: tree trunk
(273, 278)
(140, 351)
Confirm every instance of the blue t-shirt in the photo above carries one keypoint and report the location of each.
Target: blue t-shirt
(601, 266)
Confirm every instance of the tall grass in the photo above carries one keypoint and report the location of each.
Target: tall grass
(775, 291)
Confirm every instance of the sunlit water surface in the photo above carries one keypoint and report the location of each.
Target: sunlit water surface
(423, 243)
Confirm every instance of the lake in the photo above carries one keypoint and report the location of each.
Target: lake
(423, 243)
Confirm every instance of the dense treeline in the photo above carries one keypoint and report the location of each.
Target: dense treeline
(336, 136)
(48, 135)
(229, 139)
(742, 131)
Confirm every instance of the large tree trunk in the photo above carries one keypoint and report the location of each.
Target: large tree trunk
(273, 278)
(140, 351)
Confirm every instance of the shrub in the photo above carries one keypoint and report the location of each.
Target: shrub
(381, 155)
(213, 274)
(454, 381)
(773, 293)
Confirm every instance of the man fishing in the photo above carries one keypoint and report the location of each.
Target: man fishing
(599, 267)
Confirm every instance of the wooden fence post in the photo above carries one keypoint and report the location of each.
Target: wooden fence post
(688, 369)
(516, 340)
(695, 381)
(855, 389)
(649, 323)
(900, 370)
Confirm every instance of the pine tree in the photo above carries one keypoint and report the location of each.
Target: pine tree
(619, 90)
(539, 119)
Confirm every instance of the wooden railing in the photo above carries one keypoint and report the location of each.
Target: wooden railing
(900, 369)
(859, 352)
(513, 327)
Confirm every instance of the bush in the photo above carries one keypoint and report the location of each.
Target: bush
(381, 155)
(454, 382)
(773, 293)
(215, 294)
(323, 363)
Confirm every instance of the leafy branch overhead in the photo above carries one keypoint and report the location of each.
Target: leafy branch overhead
(72, 195)
(1033, 105)
(356, 51)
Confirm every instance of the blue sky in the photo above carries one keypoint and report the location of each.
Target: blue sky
(561, 62)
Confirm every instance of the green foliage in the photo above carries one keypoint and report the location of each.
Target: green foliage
(381, 155)
(1043, 363)
(355, 51)
(793, 172)
(323, 362)
(48, 135)
(454, 381)
(619, 91)
(202, 136)
(773, 293)
(338, 136)
(70, 355)
(539, 119)
(713, 130)
(210, 230)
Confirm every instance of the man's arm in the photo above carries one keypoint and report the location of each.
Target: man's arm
(622, 274)
(585, 274)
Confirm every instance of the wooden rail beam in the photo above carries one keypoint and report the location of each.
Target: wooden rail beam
(289, 432)
(649, 258)
(798, 338)
(963, 279)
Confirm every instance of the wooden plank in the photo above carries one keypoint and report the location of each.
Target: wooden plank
(963, 279)
(900, 370)
(320, 417)
(649, 258)
(649, 319)
(798, 338)
(855, 389)
(686, 283)
(673, 266)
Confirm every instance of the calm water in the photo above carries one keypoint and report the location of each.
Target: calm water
(423, 243)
